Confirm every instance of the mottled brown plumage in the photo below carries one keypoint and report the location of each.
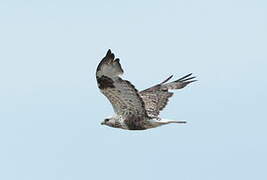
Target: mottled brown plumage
(134, 110)
(156, 97)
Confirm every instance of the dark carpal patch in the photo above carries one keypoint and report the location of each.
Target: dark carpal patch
(135, 123)
(105, 82)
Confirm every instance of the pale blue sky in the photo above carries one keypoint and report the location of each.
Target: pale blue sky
(51, 109)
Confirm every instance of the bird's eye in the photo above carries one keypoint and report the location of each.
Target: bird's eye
(106, 120)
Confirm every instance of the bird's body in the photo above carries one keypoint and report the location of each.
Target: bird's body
(134, 110)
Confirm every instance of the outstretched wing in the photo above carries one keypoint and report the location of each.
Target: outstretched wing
(121, 93)
(156, 97)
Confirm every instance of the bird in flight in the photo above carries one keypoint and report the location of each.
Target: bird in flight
(134, 110)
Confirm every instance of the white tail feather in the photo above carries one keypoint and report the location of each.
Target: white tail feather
(168, 121)
(159, 122)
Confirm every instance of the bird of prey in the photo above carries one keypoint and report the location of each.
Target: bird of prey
(134, 110)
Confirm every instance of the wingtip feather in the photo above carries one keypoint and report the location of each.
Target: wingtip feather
(109, 51)
(109, 66)
(166, 80)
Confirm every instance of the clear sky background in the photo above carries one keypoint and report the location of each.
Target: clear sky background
(51, 108)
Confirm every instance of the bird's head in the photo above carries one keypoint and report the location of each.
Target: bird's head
(109, 122)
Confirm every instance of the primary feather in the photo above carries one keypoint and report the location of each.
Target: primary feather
(157, 97)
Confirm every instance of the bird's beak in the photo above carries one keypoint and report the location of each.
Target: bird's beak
(102, 123)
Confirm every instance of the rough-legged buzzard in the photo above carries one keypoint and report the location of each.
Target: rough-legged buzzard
(134, 110)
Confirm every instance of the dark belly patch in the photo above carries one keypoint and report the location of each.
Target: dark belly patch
(135, 123)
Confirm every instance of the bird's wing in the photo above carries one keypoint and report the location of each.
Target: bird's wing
(121, 93)
(156, 97)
